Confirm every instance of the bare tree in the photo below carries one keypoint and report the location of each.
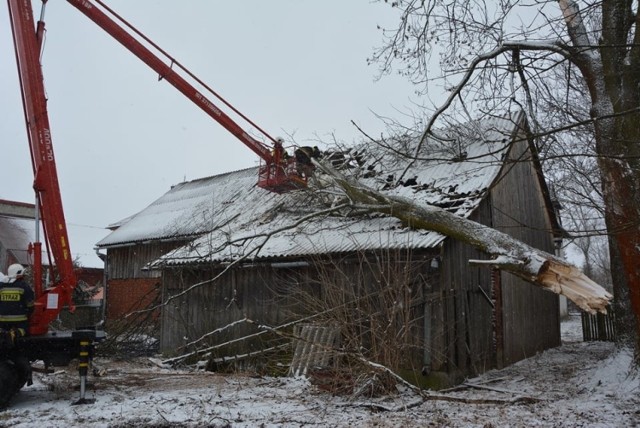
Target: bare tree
(484, 46)
(376, 309)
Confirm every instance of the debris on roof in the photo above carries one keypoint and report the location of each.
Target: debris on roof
(227, 216)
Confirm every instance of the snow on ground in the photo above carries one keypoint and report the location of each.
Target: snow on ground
(575, 385)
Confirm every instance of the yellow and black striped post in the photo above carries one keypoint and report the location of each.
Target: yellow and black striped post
(83, 367)
(85, 342)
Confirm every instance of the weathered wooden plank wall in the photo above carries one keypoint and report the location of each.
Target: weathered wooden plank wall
(274, 296)
(468, 339)
(236, 295)
(128, 261)
(531, 317)
(128, 286)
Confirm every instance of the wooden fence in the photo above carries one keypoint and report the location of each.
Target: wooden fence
(598, 327)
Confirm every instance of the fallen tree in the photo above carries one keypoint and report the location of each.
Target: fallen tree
(510, 255)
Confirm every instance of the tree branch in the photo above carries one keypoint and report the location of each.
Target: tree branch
(510, 255)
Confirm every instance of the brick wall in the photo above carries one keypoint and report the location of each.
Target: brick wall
(127, 295)
(92, 276)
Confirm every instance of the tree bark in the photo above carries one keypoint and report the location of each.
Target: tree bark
(612, 74)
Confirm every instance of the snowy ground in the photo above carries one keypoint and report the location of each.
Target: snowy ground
(576, 385)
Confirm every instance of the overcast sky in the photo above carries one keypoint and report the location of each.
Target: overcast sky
(121, 138)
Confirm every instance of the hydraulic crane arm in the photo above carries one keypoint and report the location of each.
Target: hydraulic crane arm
(278, 173)
(167, 73)
(27, 44)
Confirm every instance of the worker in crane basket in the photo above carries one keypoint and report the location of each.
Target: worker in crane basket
(16, 302)
(303, 156)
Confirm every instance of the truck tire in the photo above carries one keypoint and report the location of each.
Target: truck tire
(22, 369)
(8, 382)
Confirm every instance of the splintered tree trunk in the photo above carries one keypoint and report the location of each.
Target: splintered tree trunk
(533, 265)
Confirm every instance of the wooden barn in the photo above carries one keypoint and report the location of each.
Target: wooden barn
(229, 257)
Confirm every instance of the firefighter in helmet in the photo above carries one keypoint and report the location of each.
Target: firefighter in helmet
(16, 302)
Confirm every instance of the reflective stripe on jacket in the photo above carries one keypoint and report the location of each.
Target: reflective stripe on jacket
(16, 301)
(11, 294)
(13, 318)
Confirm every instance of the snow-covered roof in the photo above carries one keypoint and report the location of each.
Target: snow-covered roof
(229, 216)
(180, 213)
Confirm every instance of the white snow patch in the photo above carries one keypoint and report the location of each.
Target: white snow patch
(579, 384)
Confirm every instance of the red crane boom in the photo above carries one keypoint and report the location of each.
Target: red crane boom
(167, 73)
(27, 48)
(277, 173)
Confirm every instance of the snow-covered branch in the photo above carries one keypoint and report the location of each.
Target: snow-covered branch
(531, 264)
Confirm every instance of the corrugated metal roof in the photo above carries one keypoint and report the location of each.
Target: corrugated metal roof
(328, 235)
(188, 209)
(230, 208)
